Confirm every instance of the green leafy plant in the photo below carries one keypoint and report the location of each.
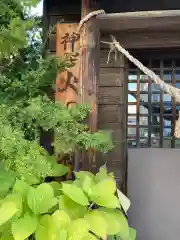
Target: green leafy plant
(67, 211)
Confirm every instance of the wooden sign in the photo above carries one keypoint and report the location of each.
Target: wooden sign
(68, 45)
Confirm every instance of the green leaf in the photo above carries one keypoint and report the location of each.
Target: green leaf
(103, 193)
(21, 188)
(46, 229)
(41, 199)
(124, 201)
(62, 234)
(56, 187)
(90, 236)
(7, 236)
(24, 227)
(12, 205)
(87, 184)
(97, 223)
(80, 175)
(116, 222)
(78, 229)
(85, 180)
(6, 181)
(61, 219)
(107, 185)
(132, 233)
(75, 193)
(31, 179)
(59, 170)
(102, 174)
(73, 209)
(5, 231)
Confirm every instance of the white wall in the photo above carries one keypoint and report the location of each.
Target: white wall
(154, 190)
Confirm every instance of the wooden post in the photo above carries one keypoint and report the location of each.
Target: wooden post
(89, 73)
(112, 100)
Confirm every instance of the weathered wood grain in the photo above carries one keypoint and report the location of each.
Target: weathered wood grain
(109, 114)
(149, 20)
(110, 77)
(110, 95)
(143, 39)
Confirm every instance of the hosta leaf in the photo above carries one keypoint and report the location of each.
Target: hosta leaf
(97, 223)
(24, 227)
(11, 206)
(124, 201)
(61, 219)
(75, 193)
(73, 209)
(41, 199)
(116, 222)
(78, 229)
(21, 188)
(46, 229)
(59, 170)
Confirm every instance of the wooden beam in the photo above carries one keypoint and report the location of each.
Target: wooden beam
(141, 39)
(149, 20)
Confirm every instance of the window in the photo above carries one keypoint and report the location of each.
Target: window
(151, 112)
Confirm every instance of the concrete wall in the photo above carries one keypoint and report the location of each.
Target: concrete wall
(154, 190)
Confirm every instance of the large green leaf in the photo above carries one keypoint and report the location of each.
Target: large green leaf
(46, 229)
(21, 188)
(102, 174)
(31, 179)
(85, 180)
(7, 236)
(116, 222)
(11, 206)
(62, 234)
(73, 209)
(6, 232)
(61, 219)
(56, 187)
(75, 193)
(103, 193)
(97, 223)
(106, 186)
(80, 175)
(6, 181)
(132, 233)
(78, 229)
(90, 236)
(41, 199)
(124, 201)
(24, 227)
(59, 170)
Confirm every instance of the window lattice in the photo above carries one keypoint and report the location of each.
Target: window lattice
(151, 112)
